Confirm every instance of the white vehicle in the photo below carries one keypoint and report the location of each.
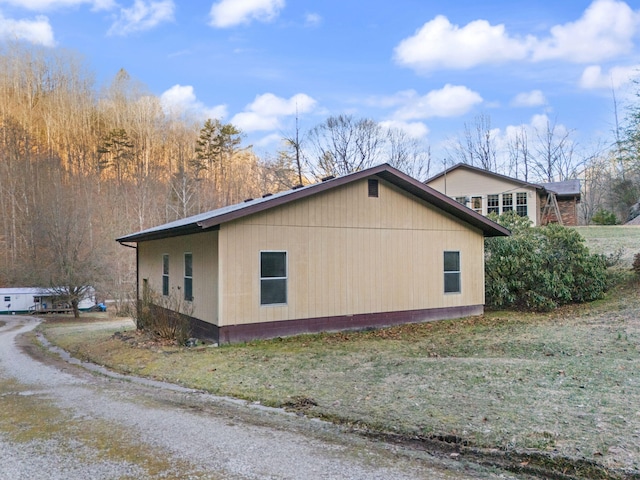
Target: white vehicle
(18, 300)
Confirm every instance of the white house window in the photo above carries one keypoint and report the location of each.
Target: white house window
(493, 204)
(7, 299)
(507, 202)
(476, 204)
(521, 204)
(165, 274)
(188, 277)
(451, 272)
(273, 278)
(461, 200)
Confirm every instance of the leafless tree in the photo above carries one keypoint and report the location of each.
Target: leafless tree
(344, 145)
(554, 154)
(478, 146)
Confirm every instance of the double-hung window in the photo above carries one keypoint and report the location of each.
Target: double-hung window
(493, 204)
(165, 275)
(273, 278)
(476, 204)
(452, 272)
(507, 202)
(521, 204)
(188, 277)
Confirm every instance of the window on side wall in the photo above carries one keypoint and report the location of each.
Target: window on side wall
(452, 272)
(273, 278)
(165, 275)
(493, 204)
(507, 202)
(188, 277)
(521, 204)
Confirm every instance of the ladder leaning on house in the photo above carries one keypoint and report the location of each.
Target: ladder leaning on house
(551, 209)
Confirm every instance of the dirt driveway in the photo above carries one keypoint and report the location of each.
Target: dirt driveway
(59, 421)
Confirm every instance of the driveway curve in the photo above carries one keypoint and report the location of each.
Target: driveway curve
(60, 421)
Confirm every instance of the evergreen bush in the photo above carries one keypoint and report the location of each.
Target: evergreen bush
(540, 268)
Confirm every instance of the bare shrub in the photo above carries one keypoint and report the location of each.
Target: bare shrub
(165, 317)
(636, 264)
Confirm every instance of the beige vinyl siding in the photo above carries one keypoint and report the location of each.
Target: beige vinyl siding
(347, 254)
(462, 182)
(203, 247)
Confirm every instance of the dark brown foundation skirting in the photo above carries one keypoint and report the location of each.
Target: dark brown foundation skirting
(254, 331)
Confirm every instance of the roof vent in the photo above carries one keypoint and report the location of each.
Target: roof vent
(297, 186)
(267, 195)
(248, 200)
(330, 177)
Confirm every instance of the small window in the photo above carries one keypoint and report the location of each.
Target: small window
(373, 187)
(7, 299)
(507, 202)
(476, 204)
(461, 200)
(273, 278)
(165, 274)
(521, 204)
(451, 272)
(493, 204)
(188, 277)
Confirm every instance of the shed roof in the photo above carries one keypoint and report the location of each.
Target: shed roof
(213, 219)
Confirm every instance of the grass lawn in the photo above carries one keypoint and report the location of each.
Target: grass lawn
(565, 384)
(610, 239)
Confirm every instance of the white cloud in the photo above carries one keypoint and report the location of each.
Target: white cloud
(36, 31)
(228, 13)
(439, 44)
(534, 98)
(605, 30)
(271, 140)
(312, 19)
(593, 77)
(180, 100)
(41, 5)
(450, 101)
(265, 111)
(412, 129)
(143, 15)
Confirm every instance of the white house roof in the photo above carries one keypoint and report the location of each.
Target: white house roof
(25, 291)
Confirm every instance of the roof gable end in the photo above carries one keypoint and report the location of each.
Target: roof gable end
(213, 219)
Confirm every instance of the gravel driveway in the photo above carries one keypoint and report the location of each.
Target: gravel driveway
(60, 421)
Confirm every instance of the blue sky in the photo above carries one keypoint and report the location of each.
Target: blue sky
(424, 66)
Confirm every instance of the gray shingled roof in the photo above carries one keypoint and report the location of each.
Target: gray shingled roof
(565, 188)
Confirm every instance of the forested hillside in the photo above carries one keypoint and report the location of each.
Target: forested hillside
(80, 166)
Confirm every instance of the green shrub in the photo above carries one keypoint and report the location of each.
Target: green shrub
(604, 217)
(540, 268)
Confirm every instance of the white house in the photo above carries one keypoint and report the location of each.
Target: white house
(16, 300)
